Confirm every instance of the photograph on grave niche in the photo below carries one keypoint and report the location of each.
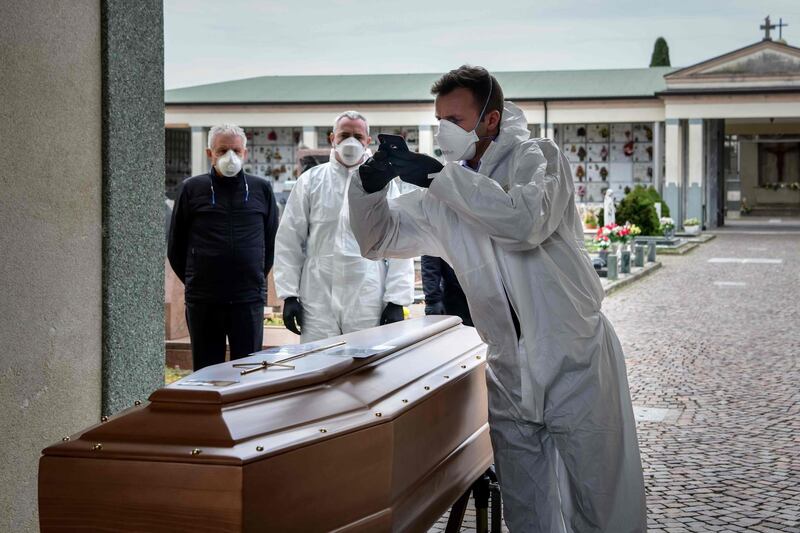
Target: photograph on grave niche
(619, 154)
(272, 152)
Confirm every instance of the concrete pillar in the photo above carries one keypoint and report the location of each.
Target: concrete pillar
(658, 157)
(696, 168)
(51, 238)
(81, 316)
(673, 151)
(310, 138)
(715, 173)
(199, 145)
(425, 139)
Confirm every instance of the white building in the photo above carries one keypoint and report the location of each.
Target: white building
(719, 136)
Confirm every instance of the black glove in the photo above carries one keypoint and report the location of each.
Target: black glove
(293, 314)
(414, 167)
(434, 308)
(376, 172)
(391, 313)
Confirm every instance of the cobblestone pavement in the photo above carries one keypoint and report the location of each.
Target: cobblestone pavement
(712, 350)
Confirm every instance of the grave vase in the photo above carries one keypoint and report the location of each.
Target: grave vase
(625, 261)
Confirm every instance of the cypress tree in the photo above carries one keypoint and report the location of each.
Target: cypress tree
(660, 57)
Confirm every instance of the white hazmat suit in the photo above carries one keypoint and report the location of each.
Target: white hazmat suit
(317, 259)
(560, 413)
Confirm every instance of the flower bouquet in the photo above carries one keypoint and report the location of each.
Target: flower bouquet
(691, 226)
(667, 227)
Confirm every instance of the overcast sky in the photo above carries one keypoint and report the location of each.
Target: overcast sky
(209, 41)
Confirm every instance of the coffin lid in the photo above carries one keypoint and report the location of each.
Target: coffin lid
(224, 383)
(235, 419)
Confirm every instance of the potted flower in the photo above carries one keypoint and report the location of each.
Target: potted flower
(602, 242)
(633, 232)
(667, 227)
(590, 219)
(610, 234)
(691, 226)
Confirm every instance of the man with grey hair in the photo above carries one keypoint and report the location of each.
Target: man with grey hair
(327, 287)
(221, 246)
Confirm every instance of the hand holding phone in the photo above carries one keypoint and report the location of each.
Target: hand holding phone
(392, 143)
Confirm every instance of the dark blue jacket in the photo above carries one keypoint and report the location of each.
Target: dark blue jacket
(439, 283)
(222, 237)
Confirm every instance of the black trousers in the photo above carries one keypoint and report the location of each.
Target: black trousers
(210, 323)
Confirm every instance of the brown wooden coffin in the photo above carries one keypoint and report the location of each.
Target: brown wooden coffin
(381, 443)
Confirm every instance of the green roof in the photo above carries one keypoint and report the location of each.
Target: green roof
(541, 85)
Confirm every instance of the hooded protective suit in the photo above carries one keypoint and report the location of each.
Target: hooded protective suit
(561, 419)
(318, 260)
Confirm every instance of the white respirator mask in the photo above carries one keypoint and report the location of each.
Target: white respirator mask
(350, 151)
(229, 164)
(456, 143)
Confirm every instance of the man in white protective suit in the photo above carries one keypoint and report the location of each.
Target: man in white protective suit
(502, 212)
(327, 286)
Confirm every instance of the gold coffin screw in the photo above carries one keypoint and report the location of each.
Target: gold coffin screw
(97, 447)
(196, 451)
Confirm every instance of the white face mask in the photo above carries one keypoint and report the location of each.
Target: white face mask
(350, 151)
(229, 164)
(456, 143)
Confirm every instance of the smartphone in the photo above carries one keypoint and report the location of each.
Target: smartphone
(394, 142)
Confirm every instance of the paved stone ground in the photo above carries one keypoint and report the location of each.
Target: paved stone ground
(713, 350)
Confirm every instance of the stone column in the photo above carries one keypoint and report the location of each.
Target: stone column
(658, 157)
(696, 177)
(425, 139)
(715, 173)
(310, 138)
(199, 145)
(673, 151)
(82, 218)
(51, 240)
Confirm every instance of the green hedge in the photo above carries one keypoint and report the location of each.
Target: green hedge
(638, 208)
(635, 210)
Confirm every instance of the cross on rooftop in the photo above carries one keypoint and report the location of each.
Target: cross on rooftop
(781, 25)
(767, 27)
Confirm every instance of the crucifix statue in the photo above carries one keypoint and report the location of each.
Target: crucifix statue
(767, 27)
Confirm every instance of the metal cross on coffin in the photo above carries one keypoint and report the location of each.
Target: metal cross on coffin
(265, 365)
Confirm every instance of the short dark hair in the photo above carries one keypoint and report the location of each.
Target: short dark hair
(479, 82)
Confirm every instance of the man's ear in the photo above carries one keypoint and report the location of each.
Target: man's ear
(493, 122)
(330, 138)
(208, 153)
(369, 141)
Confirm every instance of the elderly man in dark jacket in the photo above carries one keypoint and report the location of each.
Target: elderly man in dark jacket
(221, 245)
